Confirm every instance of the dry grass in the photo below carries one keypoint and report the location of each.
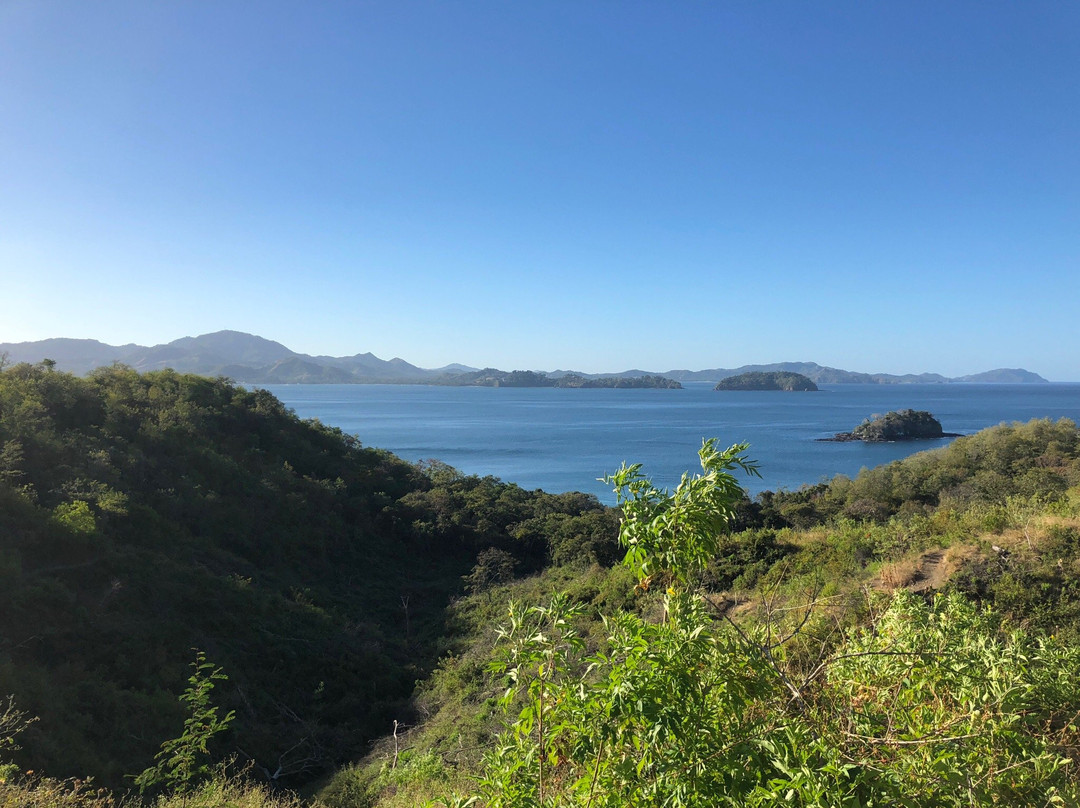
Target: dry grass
(218, 793)
(234, 794)
(929, 570)
(899, 574)
(48, 793)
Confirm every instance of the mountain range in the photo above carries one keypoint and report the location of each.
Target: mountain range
(255, 360)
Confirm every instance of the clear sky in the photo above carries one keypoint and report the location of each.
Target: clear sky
(877, 186)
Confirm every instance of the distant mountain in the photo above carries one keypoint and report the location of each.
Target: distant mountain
(255, 360)
(206, 354)
(75, 355)
(233, 346)
(368, 367)
(289, 371)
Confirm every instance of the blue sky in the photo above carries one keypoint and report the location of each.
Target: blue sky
(592, 185)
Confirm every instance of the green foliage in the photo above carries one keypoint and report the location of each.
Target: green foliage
(662, 715)
(493, 566)
(76, 516)
(1038, 459)
(680, 532)
(142, 515)
(929, 705)
(221, 791)
(746, 557)
(405, 781)
(635, 722)
(956, 709)
(180, 763)
(535, 527)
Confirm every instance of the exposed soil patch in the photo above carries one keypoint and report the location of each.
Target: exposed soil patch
(931, 572)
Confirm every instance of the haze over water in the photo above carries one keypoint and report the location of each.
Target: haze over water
(562, 440)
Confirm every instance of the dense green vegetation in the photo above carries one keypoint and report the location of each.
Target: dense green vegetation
(775, 380)
(930, 705)
(992, 520)
(787, 648)
(142, 516)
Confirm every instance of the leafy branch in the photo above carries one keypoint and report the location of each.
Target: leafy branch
(181, 760)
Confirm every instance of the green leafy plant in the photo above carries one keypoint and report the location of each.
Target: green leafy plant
(181, 761)
(679, 532)
(957, 708)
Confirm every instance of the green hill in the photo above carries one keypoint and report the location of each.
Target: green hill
(142, 516)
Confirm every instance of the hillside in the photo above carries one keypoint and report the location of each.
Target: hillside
(144, 515)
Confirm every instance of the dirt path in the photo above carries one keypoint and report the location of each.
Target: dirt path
(931, 572)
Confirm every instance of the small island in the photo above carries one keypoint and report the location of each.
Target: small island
(783, 380)
(894, 426)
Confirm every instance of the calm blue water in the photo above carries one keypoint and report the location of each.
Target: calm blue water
(562, 440)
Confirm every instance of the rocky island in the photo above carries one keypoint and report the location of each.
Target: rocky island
(775, 380)
(896, 425)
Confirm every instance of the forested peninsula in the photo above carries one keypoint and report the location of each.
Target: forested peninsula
(777, 380)
(185, 563)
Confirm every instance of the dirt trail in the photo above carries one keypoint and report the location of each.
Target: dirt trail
(931, 572)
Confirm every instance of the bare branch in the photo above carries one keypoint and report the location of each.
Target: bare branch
(12, 722)
(923, 741)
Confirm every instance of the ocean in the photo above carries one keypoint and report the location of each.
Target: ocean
(563, 440)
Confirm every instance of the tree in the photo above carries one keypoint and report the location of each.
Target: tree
(493, 566)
